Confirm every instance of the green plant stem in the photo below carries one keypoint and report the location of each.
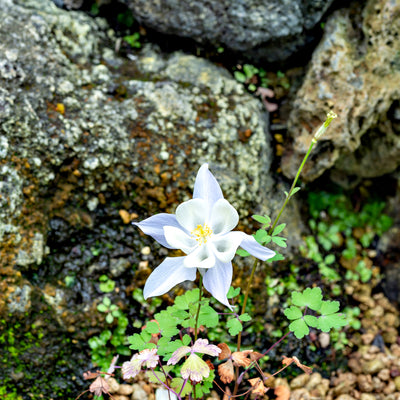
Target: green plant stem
(239, 339)
(292, 187)
(197, 321)
(330, 116)
(198, 307)
(246, 296)
(322, 129)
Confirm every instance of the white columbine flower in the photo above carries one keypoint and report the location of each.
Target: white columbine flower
(202, 229)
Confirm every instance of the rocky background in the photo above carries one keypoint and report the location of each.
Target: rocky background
(94, 134)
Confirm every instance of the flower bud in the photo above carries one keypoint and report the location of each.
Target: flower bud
(329, 117)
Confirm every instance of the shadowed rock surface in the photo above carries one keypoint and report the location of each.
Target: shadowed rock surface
(260, 29)
(354, 70)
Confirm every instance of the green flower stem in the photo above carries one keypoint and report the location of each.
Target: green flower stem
(198, 307)
(197, 321)
(246, 296)
(322, 129)
(239, 339)
(292, 187)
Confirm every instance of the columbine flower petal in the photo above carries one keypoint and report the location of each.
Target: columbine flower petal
(254, 248)
(201, 257)
(217, 281)
(178, 354)
(225, 246)
(153, 226)
(178, 239)
(223, 217)
(168, 274)
(192, 213)
(149, 358)
(202, 346)
(206, 187)
(195, 369)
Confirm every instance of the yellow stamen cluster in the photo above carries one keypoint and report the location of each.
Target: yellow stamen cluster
(202, 233)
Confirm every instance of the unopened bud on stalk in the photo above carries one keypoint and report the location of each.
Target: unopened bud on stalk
(329, 117)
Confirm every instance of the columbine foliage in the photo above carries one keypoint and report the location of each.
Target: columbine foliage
(311, 299)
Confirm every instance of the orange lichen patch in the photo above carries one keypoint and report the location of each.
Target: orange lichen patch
(61, 196)
(60, 108)
(9, 278)
(245, 135)
(54, 110)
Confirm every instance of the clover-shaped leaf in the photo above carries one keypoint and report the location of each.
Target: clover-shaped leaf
(232, 292)
(245, 317)
(311, 298)
(293, 312)
(329, 307)
(299, 328)
(234, 326)
(208, 317)
(330, 318)
(300, 324)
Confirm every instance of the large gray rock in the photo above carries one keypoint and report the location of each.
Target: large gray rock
(86, 137)
(355, 70)
(269, 30)
(75, 119)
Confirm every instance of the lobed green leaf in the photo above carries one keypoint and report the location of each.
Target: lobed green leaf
(311, 298)
(262, 219)
(299, 328)
(278, 229)
(327, 322)
(293, 312)
(234, 326)
(232, 292)
(245, 317)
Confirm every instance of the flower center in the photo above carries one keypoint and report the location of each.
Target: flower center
(202, 233)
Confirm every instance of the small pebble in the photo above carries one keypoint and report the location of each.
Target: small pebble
(390, 388)
(125, 389)
(300, 381)
(162, 394)
(125, 216)
(373, 366)
(113, 384)
(315, 379)
(397, 382)
(365, 383)
(324, 339)
(345, 397)
(146, 251)
(367, 396)
(300, 394)
(120, 397)
(384, 374)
